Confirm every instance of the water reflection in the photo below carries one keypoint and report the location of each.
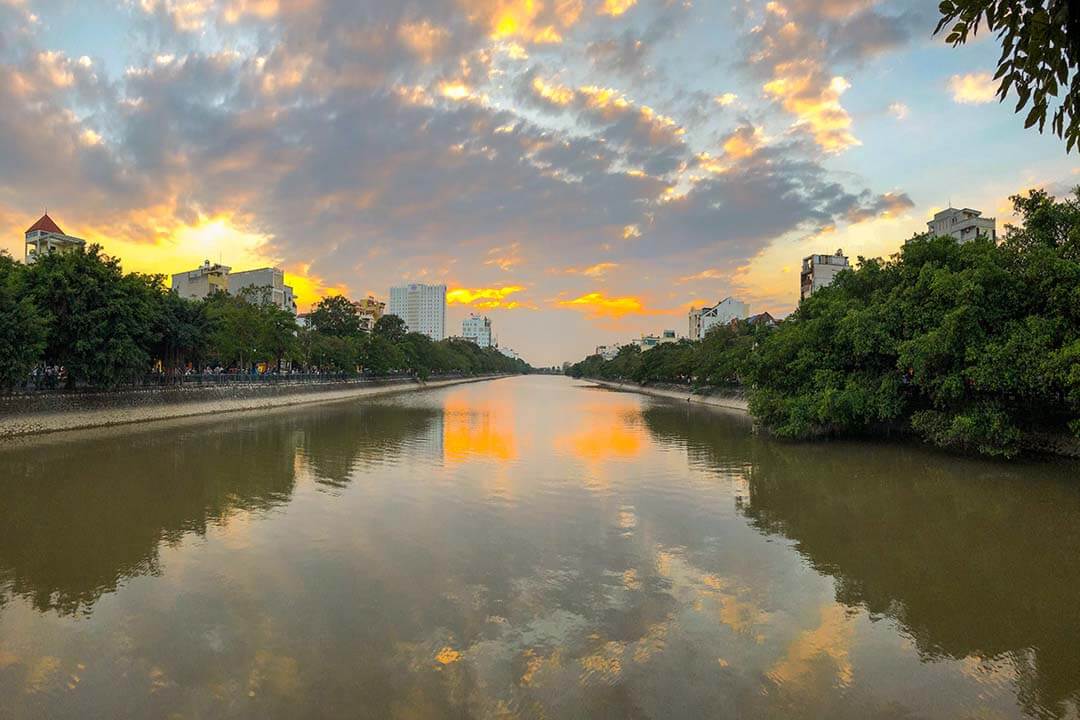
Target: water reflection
(974, 561)
(78, 518)
(528, 549)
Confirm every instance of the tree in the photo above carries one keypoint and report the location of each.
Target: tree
(100, 321)
(335, 315)
(22, 327)
(391, 328)
(1040, 54)
(182, 329)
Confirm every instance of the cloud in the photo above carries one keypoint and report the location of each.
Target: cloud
(484, 297)
(973, 88)
(899, 110)
(616, 7)
(597, 304)
(802, 91)
(595, 271)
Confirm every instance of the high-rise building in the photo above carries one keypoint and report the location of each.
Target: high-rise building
(477, 328)
(265, 285)
(722, 313)
(818, 271)
(203, 281)
(963, 224)
(45, 237)
(422, 307)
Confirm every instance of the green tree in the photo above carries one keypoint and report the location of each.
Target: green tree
(1040, 52)
(390, 328)
(182, 329)
(22, 327)
(101, 322)
(335, 315)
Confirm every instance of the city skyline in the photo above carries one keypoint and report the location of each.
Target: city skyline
(581, 172)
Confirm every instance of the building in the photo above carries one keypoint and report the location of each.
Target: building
(722, 313)
(764, 318)
(45, 237)
(369, 310)
(819, 271)
(421, 307)
(607, 352)
(963, 224)
(508, 353)
(695, 324)
(202, 282)
(477, 329)
(648, 342)
(264, 285)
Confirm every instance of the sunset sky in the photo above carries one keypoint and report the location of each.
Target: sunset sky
(582, 171)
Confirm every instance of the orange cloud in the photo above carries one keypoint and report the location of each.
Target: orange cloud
(973, 88)
(422, 38)
(799, 88)
(597, 270)
(504, 258)
(484, 297)
(531, 20)
(744, 141)
(598, 304)
(615, 8)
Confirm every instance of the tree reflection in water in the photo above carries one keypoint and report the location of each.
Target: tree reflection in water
(971, 559)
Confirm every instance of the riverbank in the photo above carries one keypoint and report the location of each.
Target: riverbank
(676, 392)
(1035, 444)
(30, 415)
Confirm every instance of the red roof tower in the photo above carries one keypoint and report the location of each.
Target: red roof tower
(46, 224)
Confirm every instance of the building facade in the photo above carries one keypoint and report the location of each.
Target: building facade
(722, 313)
(203, 281)
(964, 224)
(695, 324)
(421, 307)
(45, 237)
(264, 285)
(648, 342)
(608, 352)
(369, 310)
(477, 329)
(819, 271)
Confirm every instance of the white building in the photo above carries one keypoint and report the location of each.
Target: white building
(963, 224)
(477, 328)
(266, 285)
(45, 237)
(695, 323)
(818, 271)
(722, 313)
(509, 353)
(608, 352)
(203, 281)
(422, 307)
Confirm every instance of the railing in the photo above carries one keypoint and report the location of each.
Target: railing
(58, 384)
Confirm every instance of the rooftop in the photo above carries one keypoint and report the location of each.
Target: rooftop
(45, 224)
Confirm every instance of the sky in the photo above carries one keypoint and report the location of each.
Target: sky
(581, 171)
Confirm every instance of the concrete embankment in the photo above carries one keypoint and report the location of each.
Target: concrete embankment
(677, 393)
(53, 412)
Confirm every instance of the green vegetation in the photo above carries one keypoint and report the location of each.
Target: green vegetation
(1040, 54)
(81, 313)
(969, 347)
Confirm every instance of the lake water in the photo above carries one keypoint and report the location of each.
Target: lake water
(528, 548)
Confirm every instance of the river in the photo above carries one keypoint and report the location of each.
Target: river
(528, 548)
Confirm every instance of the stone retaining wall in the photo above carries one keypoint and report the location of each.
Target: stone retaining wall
(52, 412)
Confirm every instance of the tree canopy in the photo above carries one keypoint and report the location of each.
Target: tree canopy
(972, 346)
